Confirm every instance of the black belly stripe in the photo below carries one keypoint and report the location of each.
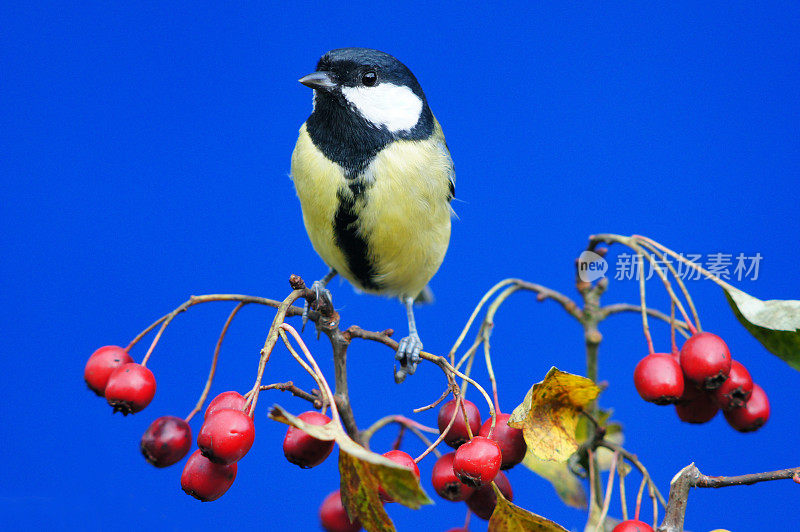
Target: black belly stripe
(350, 242)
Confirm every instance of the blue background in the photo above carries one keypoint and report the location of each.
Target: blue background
(145, 157)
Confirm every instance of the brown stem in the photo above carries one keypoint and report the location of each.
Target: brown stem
(312, 397)
(616, 308)
(691, 477)
(213, 369)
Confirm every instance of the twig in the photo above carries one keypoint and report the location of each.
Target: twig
(617, 308)
(213, 369)
(312, 397)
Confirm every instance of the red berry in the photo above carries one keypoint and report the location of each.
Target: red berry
(706, 360)
(101, 364)
(333, 516)
(232, 400)
(130, 388)
(477, 462)
(445, 482)
(751, 416)
(226, 436)
(632, 525)
(735, 391)
(696, 406)
(404, 459)
(166, 441)
(511, 441)
(205, 480)
(659, 379)
(459, 529)
(458, 432)
(483, 501)
(304, 450)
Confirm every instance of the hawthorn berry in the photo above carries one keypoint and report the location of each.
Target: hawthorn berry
(101, 364)
(659, 379)
(511, 441)
(232, 400)
(705, 360)
(483, 501)
(204, 480)
(445, 482)
(333, 517)
(130, 388)
(633, 525)
(226, 436)
(752, 415)
(166, 441)
(401, 458)
(458, 434)
(303, 449)
(736, 390)
(696, 406)
(477, 462)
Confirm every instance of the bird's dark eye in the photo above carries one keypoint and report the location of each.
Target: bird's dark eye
(369, 78)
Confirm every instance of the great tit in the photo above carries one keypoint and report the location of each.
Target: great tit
(375, 180)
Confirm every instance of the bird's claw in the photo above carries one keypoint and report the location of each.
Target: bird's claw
(322, 295)
(408, 354)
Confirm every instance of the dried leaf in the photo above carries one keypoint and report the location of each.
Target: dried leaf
(362, 472)
(774, 323)
(508, 517)
(567, 485)
(549, 414)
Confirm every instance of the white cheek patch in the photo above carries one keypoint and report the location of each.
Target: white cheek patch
(395, 107)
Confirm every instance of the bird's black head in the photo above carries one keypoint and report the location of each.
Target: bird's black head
(364, 99)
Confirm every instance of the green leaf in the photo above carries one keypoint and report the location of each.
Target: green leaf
(567, 485)
(549, 414)
(774, 323)
(508, 517)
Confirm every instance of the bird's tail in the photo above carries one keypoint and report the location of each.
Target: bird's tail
(425, 297)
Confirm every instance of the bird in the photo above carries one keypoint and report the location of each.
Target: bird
(375, 180)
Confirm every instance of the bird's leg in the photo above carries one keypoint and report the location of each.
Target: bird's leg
(321, 292)
(410, 346)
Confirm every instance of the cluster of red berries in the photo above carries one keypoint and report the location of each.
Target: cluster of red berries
(127, 386)
(700, 380)
(467, 473)
(463, 475)
(225, 437)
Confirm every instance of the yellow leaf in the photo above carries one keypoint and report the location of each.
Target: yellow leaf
(508, 517)
(362, 472)
(548, 416)
(567, 485)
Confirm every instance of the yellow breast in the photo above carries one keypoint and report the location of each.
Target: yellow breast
(404, 215)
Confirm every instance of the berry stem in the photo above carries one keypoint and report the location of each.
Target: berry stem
(609, 490)
(645, 325)
(639, 498)
(416, 428)
(441, 436)
(672, 327)
(647, 243)
(144, 332)
(618, 308)
(213, 369)
(321, 377)
(195, 300)
(289, 386)
(272, 338)
(623, 502)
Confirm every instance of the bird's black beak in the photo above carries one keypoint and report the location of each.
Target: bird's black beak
(319, 80)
